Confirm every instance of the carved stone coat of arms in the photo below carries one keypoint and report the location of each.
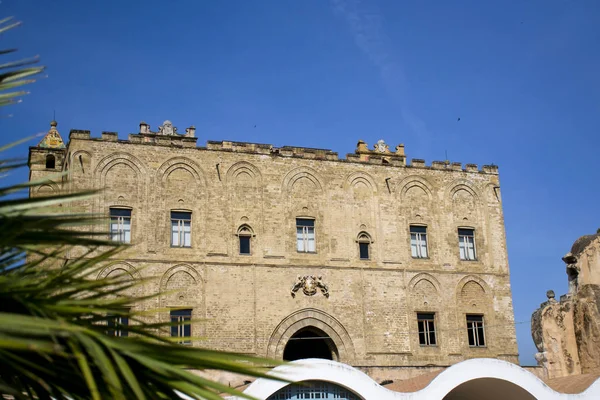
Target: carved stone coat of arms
(310, 285)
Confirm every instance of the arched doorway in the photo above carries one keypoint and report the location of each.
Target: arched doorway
(310, 342)
(313, 390)
(314, 318)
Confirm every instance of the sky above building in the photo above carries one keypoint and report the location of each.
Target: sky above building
(513, 83)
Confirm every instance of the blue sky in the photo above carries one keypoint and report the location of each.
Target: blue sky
(521, 75)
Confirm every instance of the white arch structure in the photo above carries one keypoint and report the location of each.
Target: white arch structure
(477, 378)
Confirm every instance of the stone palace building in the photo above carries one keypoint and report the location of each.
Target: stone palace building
(293, 253)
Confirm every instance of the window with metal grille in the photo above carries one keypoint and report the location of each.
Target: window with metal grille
(313, 390)
(181, 229)
(305, 235)
(426, 325)
(120, 225)
(418, 241)
(466, 244)
(181, 328)
(475, 330)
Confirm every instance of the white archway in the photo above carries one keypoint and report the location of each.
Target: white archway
(469, 378)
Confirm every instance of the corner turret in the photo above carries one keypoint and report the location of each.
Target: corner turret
(46, 161)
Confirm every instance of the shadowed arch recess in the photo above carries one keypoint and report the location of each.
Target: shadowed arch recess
(415, 181)
(299, 174)
(114, 159)
(462, 184)
(489, 389)
(128, 268)
(179, 268)
(361, 178)
(182, 286)
(471, 278)
(423, 275)
(124, 273)
(310, 342)
(180, 163)
(311, 318)
(243, 170)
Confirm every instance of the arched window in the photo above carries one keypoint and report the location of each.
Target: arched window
(50, 161)
(245, 234)
(364, 245)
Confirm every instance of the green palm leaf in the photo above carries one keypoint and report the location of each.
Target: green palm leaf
(54, 313)
(14, 74)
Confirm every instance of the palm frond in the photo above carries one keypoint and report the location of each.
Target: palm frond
(55, 311)
(54, 315)
(16, 73)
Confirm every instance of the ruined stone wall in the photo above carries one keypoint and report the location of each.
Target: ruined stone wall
(567, 333)
(555, 338)
(244, 301)
(586, 319)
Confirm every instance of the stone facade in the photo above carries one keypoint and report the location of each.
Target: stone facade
(367, 308)
(567, 332)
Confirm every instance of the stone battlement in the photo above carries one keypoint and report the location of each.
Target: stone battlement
(167, 135)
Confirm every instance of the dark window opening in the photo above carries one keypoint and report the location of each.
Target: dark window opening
(310, 342)
(475, 330)
(181, 328)
(50, 161)
(117, 326)
(363, 248)
(244, 244)
(426, 325)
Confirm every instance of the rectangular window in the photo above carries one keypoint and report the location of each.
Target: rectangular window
(117, 326)
(475, 330)
(418, 241)
(244, 244)
(120, 225)
(426, 325)
(181, 229)
(181, 328)
(363, 248)
(466, 244)
(305, 235)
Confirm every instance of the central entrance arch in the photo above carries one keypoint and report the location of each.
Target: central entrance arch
(310, 342)
(307, 323)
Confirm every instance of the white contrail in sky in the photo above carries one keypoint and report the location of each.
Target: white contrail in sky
(367, 28)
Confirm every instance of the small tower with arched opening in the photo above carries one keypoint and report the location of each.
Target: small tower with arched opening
(46, 160)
